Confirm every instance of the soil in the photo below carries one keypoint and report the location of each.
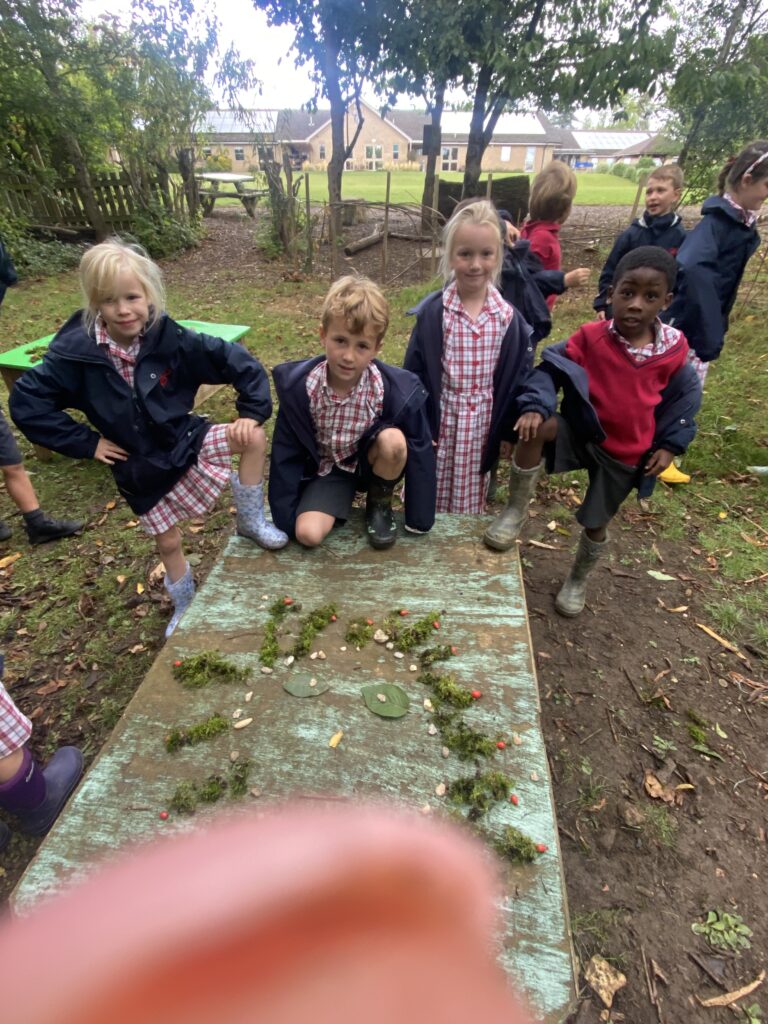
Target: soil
(653, 836)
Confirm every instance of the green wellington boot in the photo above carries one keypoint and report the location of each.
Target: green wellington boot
(506, 527)
(573, 593)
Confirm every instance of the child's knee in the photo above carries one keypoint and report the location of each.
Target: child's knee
(14, 472)
(310, 531)
(169, 541)
(391, 445)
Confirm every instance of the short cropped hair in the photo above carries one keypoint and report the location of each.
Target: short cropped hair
(651, 256)
(100, 268)
(673, 173)
(552, 192)
(359, 303)
(478, 213)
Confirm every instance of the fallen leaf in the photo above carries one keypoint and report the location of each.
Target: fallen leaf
(9, 559)
(121, 580)
(394, 705)
(336, 739)
(661, 576)
(655, 789)
(604, 979)
(196, 529)
(733, 997)
(137, 649)
(131, 524)
(721, 640)
(51, 687)
(679, 608)
(308, 686)
(157, 574)
(541, 544)
(139, 588)
(110, 505)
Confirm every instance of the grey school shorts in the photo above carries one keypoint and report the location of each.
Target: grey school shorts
(10, 453)
(334, 493)
(610, 481)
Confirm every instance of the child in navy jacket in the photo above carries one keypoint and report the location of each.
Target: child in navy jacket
(715, 253)
(347, 423)
(134, 372)
(659, 225)
(629, 397)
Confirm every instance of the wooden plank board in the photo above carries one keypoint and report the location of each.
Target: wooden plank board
(479, 594)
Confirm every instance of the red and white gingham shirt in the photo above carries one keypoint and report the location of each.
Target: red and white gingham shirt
(340, 421)
(15, 728)
(123, 359)
(470, 353)
(665, 337)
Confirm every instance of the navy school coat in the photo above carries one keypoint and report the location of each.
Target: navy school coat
(295, 458)
(424, 358)
(154, 420)
(675, 423)
(666, 231)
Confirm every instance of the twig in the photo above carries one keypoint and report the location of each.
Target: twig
(700, 963)
(609, 716)
(595, 733)
(633, 685)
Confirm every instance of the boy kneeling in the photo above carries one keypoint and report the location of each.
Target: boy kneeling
(629, 398)
(349, 423)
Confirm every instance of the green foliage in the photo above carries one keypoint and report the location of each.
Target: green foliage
(446, 690)
(237, 778)
(206, 730)
(465, 741)
(359, 633)
(164, 234)
(480, 791)
(724, 931)
(314, 623)
(516, 846)
(207, 667)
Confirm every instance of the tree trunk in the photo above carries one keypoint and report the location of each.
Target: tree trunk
(186, 159)
(427, 213)
(85, 188)
(476, 141)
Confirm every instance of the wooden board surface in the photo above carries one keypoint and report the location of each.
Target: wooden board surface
(480, 595)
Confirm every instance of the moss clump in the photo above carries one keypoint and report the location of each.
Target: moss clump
(408, 637)
(441, 652)
(359, 633)
(237, 778)
(316, 621)
(516, 846)
(212, 789)
(184, 800)
(446, 689)
(466, 742)
(206, 730)
(480, 791)
(280, 608)
(697, 734)
(208, 667)
(270, 648)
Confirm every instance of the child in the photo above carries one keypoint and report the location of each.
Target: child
(134, 372)
(348, 422)
(715, 253)
(550, 204)
(659, 225)
(629, 397)
(34, 795)
(39, 526)
(470, 350)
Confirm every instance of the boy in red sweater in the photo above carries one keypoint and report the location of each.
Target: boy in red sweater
(629, 397)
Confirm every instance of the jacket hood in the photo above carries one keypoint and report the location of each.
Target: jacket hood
(719, 205)
(74, 342)
(550, 225)
(661, 221)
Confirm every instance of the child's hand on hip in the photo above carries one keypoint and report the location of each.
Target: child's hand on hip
(528, 425)
(658, 462)
(109, 453)
(242, 432)
(577, 278)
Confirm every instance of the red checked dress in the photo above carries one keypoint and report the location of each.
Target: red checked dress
(470, 353)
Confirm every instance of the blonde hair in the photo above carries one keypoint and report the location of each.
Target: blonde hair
(478, 213)
(552, 192)
(359, 303)
(100, 268)
(672, 173)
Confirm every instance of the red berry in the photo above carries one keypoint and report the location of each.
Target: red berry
(501, 744)
(163, 815)
(476, 695)
(514, 799)
(454, 650)
(176, 664)
(404, 611)
(541, 848)
(287, 601)
(369, 622)
(435, 624)
(333, 618)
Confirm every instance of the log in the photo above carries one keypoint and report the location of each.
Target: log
(406, 237)
(363, 243)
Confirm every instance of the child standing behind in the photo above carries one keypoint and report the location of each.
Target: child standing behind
(552, 195)
(471, 350)
(350, 423)
(134, 372)
(629, 397)
(659, 225)
(715, 253)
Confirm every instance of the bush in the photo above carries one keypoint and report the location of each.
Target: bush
(33, 257)
(162, 234)
(646, 163)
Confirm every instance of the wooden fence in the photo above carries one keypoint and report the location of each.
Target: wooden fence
(62, 205)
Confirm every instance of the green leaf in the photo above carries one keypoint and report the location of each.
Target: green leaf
(660, 575)
(395, 704)
(302, 686)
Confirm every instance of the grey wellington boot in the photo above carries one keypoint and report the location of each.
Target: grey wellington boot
(181, 593)
(506, 527)
(573, 593)
(251, 520)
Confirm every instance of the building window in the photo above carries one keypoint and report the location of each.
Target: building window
(395, 150)
(530, 158)
(239, 153)
(207, 151)
(506, 154)
(450, 155)
(374, 158)
(322, 151)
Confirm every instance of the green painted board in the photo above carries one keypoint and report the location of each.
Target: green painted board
(25, 356)
(483, 614)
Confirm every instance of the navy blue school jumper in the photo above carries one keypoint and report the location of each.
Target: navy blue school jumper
(711, 264)
(666, 231)
(8, 275)
(424, 358)
(153, 420)
(674, 415)
(295, 457)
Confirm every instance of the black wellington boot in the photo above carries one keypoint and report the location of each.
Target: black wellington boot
(379, 518)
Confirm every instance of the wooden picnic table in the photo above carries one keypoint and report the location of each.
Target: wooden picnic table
(17, 361)
(249, 197)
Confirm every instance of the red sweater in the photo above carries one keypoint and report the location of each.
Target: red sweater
(544, 236)
(623, 391)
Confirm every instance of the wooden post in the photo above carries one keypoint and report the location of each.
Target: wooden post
(641, 183)
(488, 185)
(308, 214)
(435, 226)
(385, 239)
